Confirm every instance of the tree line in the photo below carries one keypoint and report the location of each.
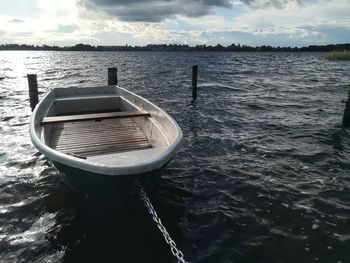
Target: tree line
(176, 47)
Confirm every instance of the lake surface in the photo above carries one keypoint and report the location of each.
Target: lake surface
(263, 174)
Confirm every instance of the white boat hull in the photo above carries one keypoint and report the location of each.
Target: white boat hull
(80, 130)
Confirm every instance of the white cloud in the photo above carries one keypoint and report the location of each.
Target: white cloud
(289, 22)
(321, 22)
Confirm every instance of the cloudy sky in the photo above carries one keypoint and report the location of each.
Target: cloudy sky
(140, 22)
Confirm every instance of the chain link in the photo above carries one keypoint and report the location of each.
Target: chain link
(174, 250)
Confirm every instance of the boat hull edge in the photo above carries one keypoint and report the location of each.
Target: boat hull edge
(99, 185)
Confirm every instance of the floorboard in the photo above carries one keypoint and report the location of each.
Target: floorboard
(89, 138)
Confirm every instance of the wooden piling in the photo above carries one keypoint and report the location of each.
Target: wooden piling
(346, 116)
(112, 76)
(33, 90)
(194, 81)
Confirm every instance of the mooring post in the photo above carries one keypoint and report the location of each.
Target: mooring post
(33, 90)
(194, 81)
(112, 76)
(346, 116)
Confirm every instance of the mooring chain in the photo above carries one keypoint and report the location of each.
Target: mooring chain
(174, 250)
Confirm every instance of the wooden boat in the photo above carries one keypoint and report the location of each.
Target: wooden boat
(102, 133)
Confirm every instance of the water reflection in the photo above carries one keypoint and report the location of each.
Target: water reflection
(90, 230)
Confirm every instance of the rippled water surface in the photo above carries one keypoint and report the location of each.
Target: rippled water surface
(263, 174)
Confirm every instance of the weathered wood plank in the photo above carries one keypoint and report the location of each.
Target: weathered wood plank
(59, 142)
(84, 133)
(101, 148)
(94, 116)
(115, 150)
(100, 144)
(96, 126)
(89, 138)
(92, 123)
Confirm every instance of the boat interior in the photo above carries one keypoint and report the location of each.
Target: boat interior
(90, 125)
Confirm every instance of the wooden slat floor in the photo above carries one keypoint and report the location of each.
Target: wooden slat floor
(89, 138)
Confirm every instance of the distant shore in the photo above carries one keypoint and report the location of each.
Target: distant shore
(176, 47)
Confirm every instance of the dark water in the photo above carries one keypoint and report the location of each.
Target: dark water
(263, 174)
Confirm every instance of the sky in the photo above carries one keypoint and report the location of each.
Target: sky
(192, 22)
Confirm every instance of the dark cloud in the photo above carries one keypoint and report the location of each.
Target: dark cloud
(158, 10)
(154, 10)
(270, 3)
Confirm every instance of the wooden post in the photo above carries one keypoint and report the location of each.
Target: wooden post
(346, 116)
(33, 90)
(194, 81)
(112, 76)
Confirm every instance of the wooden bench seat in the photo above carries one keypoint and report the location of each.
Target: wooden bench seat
(93, 116)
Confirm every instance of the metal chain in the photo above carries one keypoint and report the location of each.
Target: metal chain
(174, 250)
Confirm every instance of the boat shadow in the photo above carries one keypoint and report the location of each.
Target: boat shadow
(100, 230)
